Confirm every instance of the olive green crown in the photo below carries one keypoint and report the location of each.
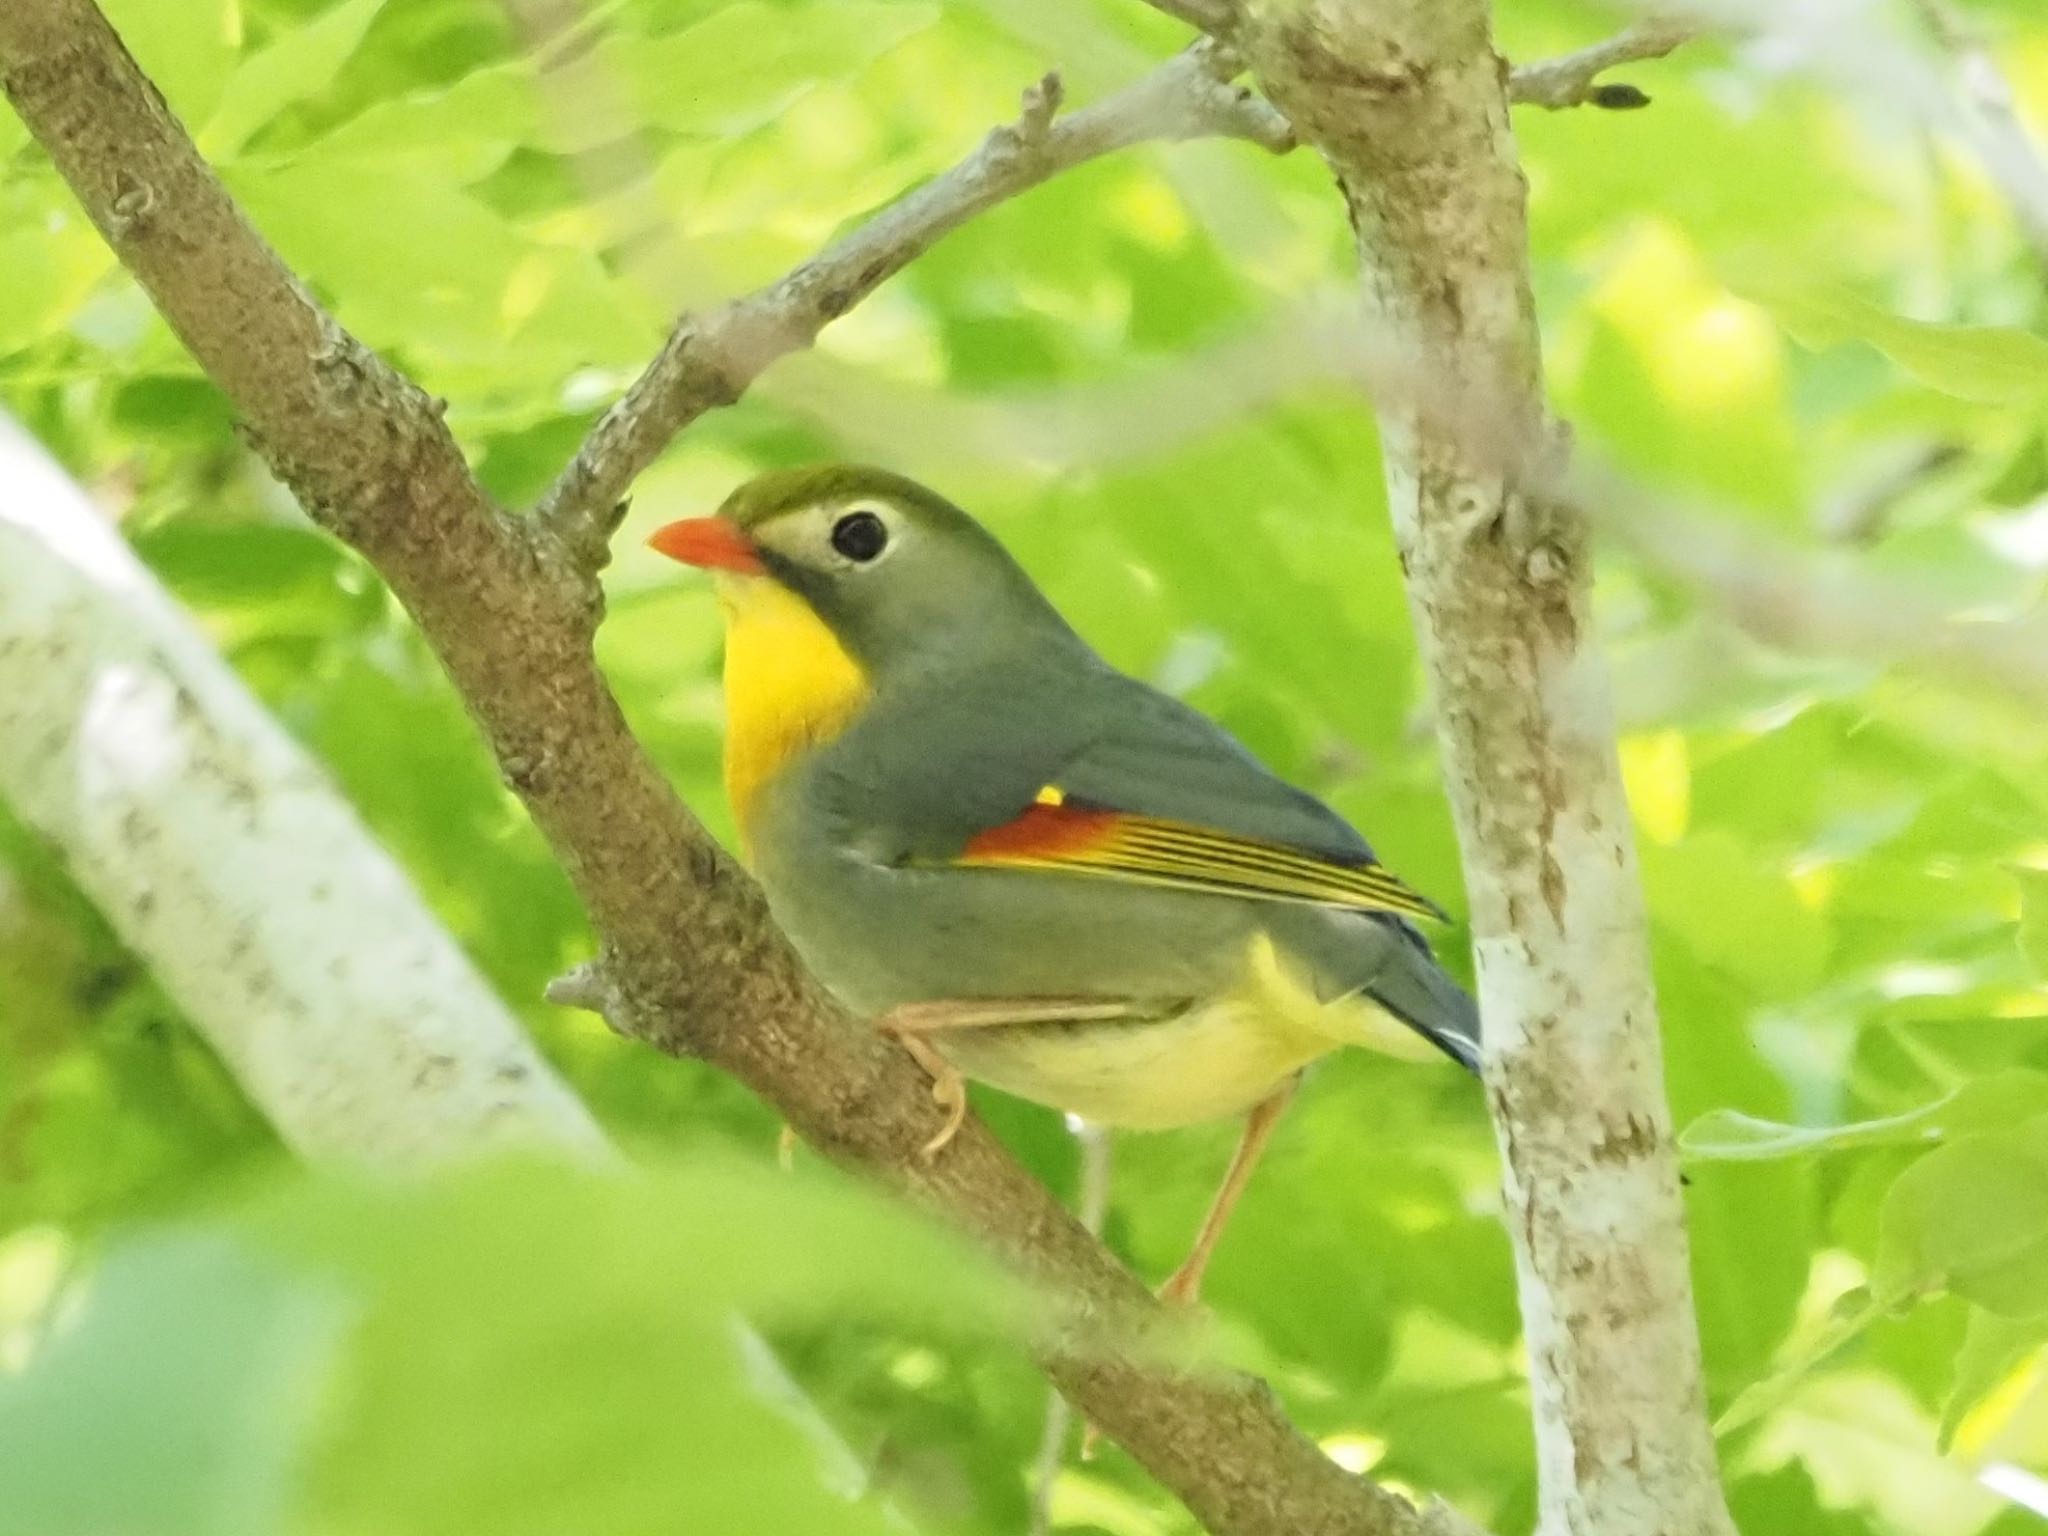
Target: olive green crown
(769, 496)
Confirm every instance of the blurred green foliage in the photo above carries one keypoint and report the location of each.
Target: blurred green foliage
(1777, 297)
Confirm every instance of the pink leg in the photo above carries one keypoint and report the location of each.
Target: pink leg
(1184, 1286)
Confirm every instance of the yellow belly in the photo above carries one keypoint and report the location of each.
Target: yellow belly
(1218, 1058)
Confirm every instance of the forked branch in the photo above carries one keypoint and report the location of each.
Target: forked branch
(710, 359)
(1573, 79)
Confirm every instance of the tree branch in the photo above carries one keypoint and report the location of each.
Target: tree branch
(1573, 80)
(688, 952)
(1850, 48)
(1405, 99)
(223, 857)
(1805, 602)
(710, 359)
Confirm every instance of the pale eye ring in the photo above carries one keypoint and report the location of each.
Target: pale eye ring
(860, 536)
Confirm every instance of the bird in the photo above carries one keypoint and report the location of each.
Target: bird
(1028, 867)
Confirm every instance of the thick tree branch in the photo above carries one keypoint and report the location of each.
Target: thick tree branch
(1405, 99)
(689, 954)
(1573, 80)
(710, 359)
(225, 859)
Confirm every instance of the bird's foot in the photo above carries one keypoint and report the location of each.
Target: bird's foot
(949, 1092)
(949, 1088)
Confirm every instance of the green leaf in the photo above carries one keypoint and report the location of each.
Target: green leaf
(565, 1340)
(2034, 918)
(817, 1242)
(1995, 365)
(13, 134)
(50, 272)
(171, 1405)
(1727, 1135)
(186, 49)
(497, 309)
(1784, 1502)
(302, 62)
(748, 63)
(1994, 1347)
(470, 125)
(1971, 1218)
(1737, 912)
(1854, 1314)
(569, 1389)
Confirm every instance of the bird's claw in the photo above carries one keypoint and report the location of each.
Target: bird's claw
(949, 1088)
(949, 1092)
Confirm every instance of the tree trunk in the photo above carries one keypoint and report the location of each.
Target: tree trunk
(1406, 100)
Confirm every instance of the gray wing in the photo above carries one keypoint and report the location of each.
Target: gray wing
(940, 764)
(921, 775)
(1156, 756)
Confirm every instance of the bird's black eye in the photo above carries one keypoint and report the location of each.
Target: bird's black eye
(860, 536)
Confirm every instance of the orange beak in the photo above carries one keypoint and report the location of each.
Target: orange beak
(709, 542)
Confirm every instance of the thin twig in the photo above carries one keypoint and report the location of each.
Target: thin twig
(1842, 46)
(1091, 1205)
(710, 358)
(583, 987)
(1811, 602)
(1573, 79)
(2009, 152)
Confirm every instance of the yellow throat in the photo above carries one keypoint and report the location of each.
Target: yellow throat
(788, 683)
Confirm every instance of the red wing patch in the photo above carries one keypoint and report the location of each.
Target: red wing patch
(1150, 850)
(1042, 832)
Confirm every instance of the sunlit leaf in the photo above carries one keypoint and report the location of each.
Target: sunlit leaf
(1972, 1218)
(1994, 364)
(172, 1404)
(187, 50)
(606, 1388)
(1726, 1135)
(51, 271)
(568, 1341)
(1736, 912)
(491, 302)
(1993, 1349)
(299, 63)
(2034, 919)
(747, 62)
